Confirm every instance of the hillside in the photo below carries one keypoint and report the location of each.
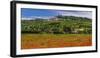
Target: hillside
(58, 25)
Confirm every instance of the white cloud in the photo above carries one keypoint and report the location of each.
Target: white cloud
(87, 14)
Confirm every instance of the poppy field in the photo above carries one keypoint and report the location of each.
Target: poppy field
(32, 41)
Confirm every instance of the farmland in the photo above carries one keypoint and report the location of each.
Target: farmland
(62, 31)
(31, 41)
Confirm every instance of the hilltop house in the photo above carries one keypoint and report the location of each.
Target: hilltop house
(53, 19)
(77, 30)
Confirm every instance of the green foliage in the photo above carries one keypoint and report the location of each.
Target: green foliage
(64, 25)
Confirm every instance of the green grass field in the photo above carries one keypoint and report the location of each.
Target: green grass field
(32, 41)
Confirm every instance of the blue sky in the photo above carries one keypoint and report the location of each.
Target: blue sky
(46, 13)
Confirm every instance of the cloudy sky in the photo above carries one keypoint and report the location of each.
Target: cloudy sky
(46, 13)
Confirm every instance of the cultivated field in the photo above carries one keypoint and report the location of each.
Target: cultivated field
(33, 41)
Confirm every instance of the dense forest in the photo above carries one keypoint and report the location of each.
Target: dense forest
(58, 25)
